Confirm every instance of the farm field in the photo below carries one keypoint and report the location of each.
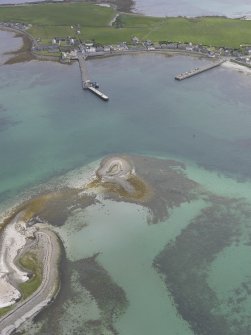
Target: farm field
(94, 23)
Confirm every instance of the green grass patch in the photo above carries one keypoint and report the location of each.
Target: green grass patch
(50, 20)
(63, 14)
(215, 31)
(109, 35)
(30, 262)
(46, 33)
(140, 21)
(48, 54)
(5, 310)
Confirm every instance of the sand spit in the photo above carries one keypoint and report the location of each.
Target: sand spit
(17, 233)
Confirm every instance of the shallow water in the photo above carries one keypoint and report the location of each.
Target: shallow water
(193, 8)
(8, 44)
(49, 125)
(229, 8)
(51, 116)
(128, 246)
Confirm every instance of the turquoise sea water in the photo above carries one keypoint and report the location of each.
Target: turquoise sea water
(49, 125)
(128, 254)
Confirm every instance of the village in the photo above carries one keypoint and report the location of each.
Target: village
(67, 48)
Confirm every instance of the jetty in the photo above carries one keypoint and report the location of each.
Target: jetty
(87, 84)
(84, 71)
(198, 70)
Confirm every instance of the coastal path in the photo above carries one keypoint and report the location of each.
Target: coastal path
(84, 71)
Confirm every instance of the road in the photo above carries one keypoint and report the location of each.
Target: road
(40, 298)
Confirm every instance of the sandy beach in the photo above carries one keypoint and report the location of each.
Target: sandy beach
(237, 67)
(13, 240)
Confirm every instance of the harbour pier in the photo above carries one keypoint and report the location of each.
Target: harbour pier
(87, 84)
(84, 71)
(198, 70)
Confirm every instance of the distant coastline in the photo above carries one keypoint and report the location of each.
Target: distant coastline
(158, 8)
(24, 53)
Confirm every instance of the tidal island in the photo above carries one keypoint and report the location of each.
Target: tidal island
(30, 247)
(117, 178)
(36, 234)
(30, 243)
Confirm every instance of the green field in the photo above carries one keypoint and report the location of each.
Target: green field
(215, 31)
(29, 261)
(50, 20)
(5, 310)
(62, 14)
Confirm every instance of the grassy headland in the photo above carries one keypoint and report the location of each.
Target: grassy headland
(50, 20)
(30, 262)
(5, 310)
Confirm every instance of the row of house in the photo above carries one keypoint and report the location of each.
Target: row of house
(70, 43)
(243, 61)
(64, 40)
(246, 49)
(45, 47)
(211, 52)
(190, 47)
(91, 47)
(15, 25)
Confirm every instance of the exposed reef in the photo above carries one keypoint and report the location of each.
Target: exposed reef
(157, 184)
(116, 178)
